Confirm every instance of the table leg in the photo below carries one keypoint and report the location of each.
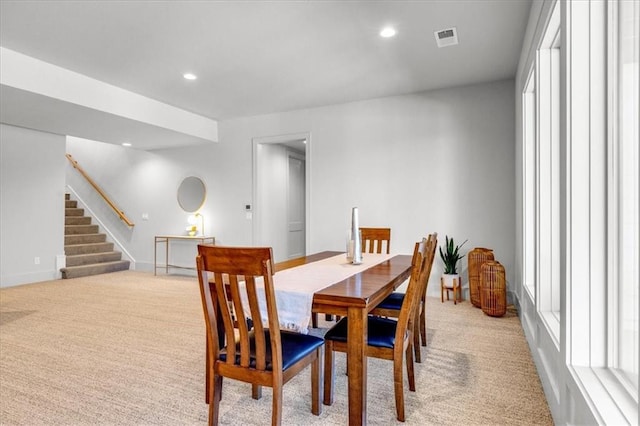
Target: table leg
(357, 365)
(155, 255)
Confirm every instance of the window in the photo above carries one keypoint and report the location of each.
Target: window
(602, 190)
(624, 189)
(548, 176)
(529, 184)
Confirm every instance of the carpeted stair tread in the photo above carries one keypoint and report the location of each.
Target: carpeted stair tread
(81, 229)
(94, 269)
(99, 247)
(73, 211)
(93, 258)
(70, 240)
(77, 220)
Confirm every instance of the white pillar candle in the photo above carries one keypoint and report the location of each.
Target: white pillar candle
(355, 235)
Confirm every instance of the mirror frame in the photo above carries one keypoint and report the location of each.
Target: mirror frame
(191, 194)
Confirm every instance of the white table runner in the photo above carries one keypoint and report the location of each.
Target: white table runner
(295, 287)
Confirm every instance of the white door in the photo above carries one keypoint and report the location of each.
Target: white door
(295, 206)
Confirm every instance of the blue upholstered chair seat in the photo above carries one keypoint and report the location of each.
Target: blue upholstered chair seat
(392, 301)
(295, 346)
(381, 332)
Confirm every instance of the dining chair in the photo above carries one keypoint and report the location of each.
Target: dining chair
(373, 240)
(392, 304)
(262, 355)
(386, 338)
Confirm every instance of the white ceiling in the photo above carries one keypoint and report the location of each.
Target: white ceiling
(258, 57)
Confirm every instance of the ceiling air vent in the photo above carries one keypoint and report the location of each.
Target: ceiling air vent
(448, 37)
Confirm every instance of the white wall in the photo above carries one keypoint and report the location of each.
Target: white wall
(439, 161)
(31, 205)
(436, 161)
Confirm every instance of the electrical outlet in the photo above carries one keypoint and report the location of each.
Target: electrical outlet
(145, 216)
(36, 260)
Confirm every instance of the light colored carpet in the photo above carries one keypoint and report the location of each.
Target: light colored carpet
(128, 349)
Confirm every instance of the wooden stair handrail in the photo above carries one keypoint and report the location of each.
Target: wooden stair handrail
(115, 208)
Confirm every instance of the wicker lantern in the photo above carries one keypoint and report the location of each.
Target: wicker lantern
(493, 290)
(476, 258)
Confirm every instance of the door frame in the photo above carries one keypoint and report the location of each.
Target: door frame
(281, 139)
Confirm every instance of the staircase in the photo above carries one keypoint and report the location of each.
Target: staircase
(87, 251)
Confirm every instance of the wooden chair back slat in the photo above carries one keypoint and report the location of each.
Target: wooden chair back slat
(258, 324)
(373, 240)
(274, 323)
(208, 303)
(243, 327)
(226, 314)
(432, 243)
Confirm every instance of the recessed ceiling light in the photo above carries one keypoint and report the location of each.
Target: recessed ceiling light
(387, 32)
(189, 76)
(126, 144)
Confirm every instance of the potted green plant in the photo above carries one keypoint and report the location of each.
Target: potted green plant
(450, 257)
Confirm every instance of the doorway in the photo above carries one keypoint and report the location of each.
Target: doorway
(281, 194)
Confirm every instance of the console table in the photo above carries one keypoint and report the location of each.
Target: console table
(166, 239)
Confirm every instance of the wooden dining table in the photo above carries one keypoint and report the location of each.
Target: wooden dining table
(354, 297)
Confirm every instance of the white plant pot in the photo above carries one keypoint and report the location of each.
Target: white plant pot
(448, 279)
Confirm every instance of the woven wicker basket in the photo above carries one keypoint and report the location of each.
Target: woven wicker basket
(476, 258)
(493, 291)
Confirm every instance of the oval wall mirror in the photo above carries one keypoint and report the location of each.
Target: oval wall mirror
(191, 194)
